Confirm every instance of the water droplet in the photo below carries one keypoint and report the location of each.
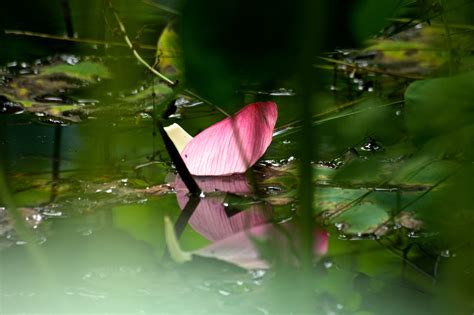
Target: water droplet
(202, 195)
(257, 273)
(223, 292)
(8, 107)
(282, 92)
(12, 64)
(371, 145)
(86, 232)
(339, 226)
(59, 99)
(87, 102)
(445, 253)
(328, 264)
(72, 60)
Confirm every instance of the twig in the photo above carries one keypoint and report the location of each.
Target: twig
(168, 81)
(179, 163)
(161, 7)
(76, 40)
(368, 69)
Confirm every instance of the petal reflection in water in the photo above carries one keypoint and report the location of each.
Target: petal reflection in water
(210, 218)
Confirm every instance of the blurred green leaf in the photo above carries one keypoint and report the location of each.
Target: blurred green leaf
(440, 105)
(370, 16)
(169, 54)
(85, 71)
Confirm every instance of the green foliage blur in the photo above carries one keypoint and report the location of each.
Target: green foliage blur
(383, 89)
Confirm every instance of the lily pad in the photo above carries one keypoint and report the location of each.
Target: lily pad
(43, 93)
(85, 71)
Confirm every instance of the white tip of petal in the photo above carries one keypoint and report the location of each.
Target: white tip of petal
(178, 135)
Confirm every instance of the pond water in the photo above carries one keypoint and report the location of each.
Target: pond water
(94, 195)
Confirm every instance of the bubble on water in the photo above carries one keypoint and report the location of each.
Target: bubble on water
(413, 234)
(371, 145)
(223, 292)
(282, 92)
(8, 107)
(445, 253)
(257, 273)
(327, 264)
(12, 64)
(340, 226)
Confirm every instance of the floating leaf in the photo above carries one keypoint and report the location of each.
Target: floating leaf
(43, 93)
(84, 71)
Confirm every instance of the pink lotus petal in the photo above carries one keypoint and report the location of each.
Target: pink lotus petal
(239, 249)
(234, 144)
(321, 243)
(210, 218)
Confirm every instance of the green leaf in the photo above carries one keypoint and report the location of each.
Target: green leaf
(168, 53)
(370, 16)
(437, 106)
(85, 71)
(363, 218)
